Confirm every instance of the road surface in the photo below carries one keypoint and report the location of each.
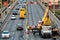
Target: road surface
(35, 13)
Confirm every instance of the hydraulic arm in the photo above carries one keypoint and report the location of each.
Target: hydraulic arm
(46, 20)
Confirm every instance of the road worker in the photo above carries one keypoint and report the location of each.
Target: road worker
(55, 31)
(39, 25)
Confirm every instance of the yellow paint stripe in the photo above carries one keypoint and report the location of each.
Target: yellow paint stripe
(26, 17)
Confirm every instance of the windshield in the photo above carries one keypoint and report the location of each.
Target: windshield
(21, 10)
(46, 28)
(5, 32)
(15, 11)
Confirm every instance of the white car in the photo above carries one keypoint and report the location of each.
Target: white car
(13, 17)
(9, 7)
(22, 4)
(5, 34)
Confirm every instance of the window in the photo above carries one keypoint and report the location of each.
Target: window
(21, 10)
(5, 32)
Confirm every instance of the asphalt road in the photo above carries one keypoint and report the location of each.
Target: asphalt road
(35, 13)
(11, 26)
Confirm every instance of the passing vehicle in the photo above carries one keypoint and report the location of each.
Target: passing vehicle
(18, 7)
(22, 10)
(5, 34)
(21, 16)
(13, 17)
(15, 12)
(22, 13)
(19, 27)
(10, 7)
(23, 4)
(24, 1)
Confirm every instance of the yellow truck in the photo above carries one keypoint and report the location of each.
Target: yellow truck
(22, 13)
(22, 10)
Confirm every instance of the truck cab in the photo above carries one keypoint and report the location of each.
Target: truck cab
(46, 31)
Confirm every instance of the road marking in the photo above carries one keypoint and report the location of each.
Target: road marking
(13, 33)
(27, 35)
(12, 37)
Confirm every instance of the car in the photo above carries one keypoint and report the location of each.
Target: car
(24, 1)
(19, 27)
(17, 2)
(5, 34)
(10, 7)
(15, 12)
(23, 6)
(13, 17)
(17, 8)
